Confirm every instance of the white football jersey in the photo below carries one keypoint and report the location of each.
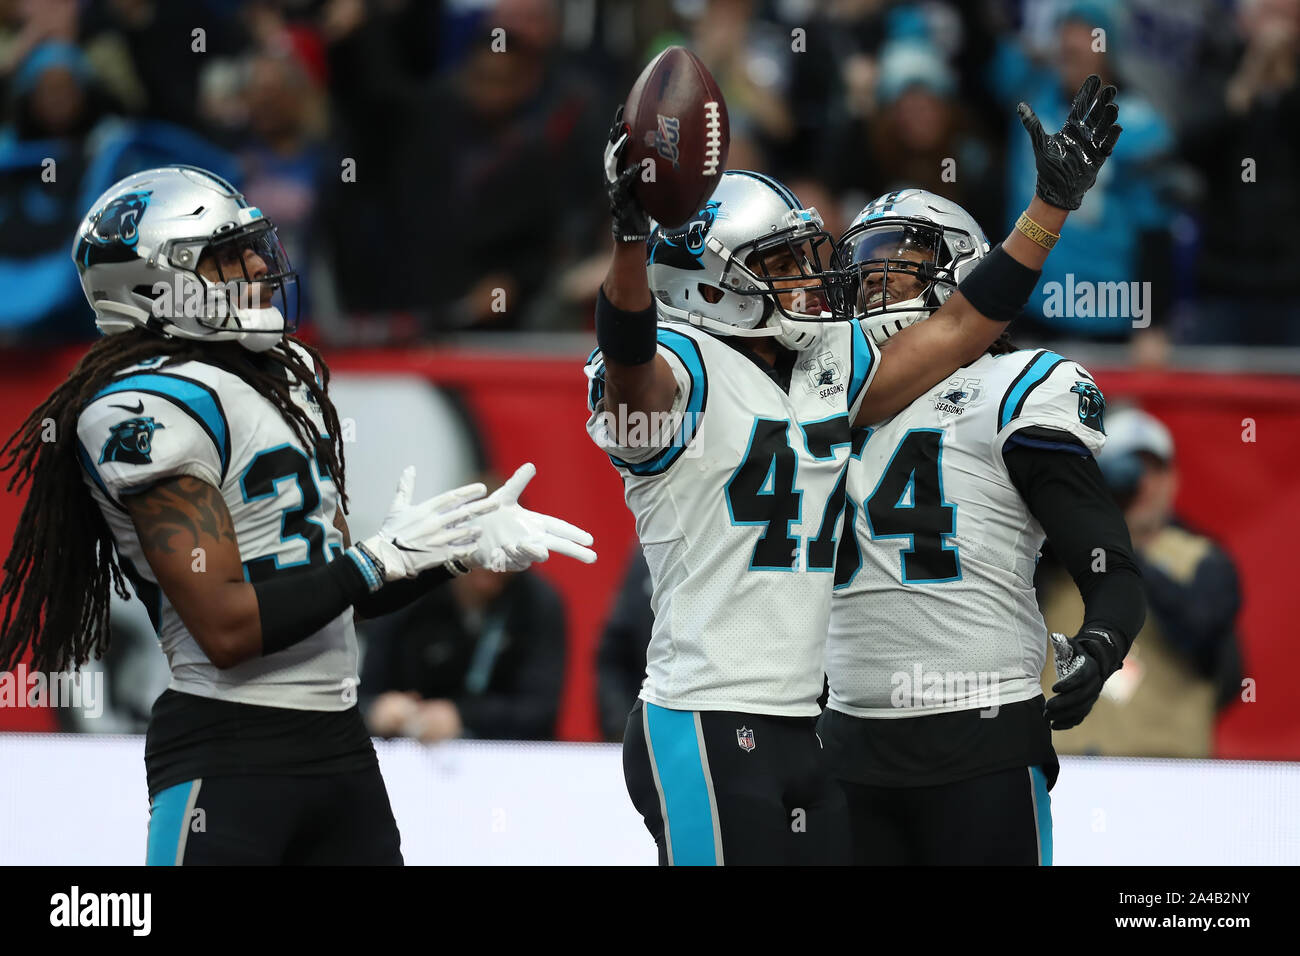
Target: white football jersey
(934, 610)
(195, 419)
(738, 498)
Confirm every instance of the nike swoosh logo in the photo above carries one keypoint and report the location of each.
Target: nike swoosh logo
(139, 407)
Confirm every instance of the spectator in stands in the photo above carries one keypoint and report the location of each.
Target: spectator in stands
(919, 136)
(1121, 232)
(281, 152)
(1241, 137)
(483, 657)
(620, 661)
(1185, 663)
(55, 103)
(463, 176)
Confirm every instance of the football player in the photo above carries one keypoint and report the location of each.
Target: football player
(936, 725)
(725, 398)
(195, 450)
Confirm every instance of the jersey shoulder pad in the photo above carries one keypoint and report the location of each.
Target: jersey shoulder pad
(651, 446)
(149, 425)
(1054, 392)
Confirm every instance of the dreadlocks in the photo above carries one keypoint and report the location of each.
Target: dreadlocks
(1002, 345)
(57, 576)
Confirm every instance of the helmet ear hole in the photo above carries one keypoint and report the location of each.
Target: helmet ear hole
(710, 293)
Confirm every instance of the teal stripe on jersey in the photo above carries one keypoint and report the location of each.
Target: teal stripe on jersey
(1025, 383)
(169, 824)
(1043, 812)
(195, 398)
(683, 785)
(685, 349)
(862, 358)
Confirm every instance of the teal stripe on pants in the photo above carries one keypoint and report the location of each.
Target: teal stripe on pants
(168, 824)
(1043, 811)
(679, 769)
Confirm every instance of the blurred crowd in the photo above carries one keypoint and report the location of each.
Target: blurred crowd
(433, 167)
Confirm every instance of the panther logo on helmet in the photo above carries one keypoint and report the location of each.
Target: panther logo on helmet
(682, 247)
(114, 230)
(131, 441)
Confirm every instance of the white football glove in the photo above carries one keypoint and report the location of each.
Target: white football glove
(415, 538)
(514, 537)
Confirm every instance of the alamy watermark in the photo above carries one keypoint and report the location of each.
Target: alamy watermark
(1084, 299)
(624, 429)
(23, 688)
(186, 297)
(965, 690)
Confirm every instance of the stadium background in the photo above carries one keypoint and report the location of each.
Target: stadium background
(419, 176)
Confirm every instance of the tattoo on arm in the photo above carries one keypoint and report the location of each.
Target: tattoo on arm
(174, 515)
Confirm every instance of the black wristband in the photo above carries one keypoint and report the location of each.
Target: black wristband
(1109, 645)
(999, 287)
(626, 338)
(293, 607)
(397, 594)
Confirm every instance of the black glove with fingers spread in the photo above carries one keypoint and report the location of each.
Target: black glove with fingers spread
(631, 224)
(1068, 161)
(1083, 665)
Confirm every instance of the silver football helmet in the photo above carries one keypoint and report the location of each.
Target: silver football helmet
(179, 251)
(750, 264)
(907, 250)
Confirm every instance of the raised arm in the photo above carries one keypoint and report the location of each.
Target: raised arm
(922, 355)
(637, 378)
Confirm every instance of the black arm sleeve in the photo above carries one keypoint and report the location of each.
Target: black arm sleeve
(398, 594)
(1068, 496)
(292, 607)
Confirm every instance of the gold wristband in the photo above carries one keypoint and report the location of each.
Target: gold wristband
(1036, 233)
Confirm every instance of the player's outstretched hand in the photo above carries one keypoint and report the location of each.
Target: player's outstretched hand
(1083, 664)
(1068, 161)
(514, 537)
(631, 224)
(415, 538)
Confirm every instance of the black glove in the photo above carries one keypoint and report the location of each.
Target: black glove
(1083, 664)
(631, 224)
(1068, 161)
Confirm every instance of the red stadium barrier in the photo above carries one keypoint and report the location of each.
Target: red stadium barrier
(533, 409)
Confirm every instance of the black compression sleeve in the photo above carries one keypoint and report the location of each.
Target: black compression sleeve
(999, 286)
(397, 594)
(292, 607)
(1068, 496)
(626, 338)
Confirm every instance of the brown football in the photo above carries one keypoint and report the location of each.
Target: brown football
(679, 135)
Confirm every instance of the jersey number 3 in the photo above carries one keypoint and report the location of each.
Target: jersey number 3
(262, 479)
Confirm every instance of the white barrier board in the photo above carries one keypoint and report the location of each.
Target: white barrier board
(78, 800)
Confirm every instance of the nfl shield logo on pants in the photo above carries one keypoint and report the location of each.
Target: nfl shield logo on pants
(745, 739)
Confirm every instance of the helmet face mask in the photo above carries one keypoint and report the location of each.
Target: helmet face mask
(905, 253)
(787, 268)
(896, 265)
(247, 274)
(751, 263)
(179, 251)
